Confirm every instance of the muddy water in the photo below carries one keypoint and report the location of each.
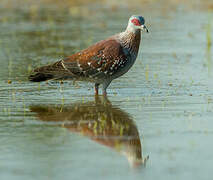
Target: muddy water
(161, 109)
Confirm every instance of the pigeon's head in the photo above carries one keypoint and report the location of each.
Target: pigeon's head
(137, 22)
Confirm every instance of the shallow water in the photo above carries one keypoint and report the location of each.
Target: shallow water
(161, 109)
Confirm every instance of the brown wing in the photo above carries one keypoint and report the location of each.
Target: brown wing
(98, 61)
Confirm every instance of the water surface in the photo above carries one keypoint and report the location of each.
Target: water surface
(162, 108)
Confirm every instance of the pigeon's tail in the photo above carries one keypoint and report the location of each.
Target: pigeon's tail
(40, 76)
(53, 71)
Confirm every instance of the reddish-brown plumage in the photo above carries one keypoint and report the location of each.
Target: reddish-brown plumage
(96, 60)
(99, 63)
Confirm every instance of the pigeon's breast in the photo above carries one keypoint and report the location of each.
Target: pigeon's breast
(126, 63)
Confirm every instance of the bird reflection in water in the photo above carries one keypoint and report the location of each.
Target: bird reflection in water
(101, 122)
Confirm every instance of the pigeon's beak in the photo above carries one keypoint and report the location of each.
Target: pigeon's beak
(143, 27)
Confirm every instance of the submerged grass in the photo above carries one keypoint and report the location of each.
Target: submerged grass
(209, 45)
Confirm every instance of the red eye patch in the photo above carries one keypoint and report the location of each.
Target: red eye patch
(135, 22)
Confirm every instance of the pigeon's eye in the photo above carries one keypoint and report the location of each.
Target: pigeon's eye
(135, 22)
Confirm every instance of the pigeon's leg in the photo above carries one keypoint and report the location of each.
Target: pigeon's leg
(96, 88)
(105, 85)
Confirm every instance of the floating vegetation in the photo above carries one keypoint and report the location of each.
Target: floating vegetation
(147, 72)
(209, 45)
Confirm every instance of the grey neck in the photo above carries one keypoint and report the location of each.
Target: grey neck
(130, 39)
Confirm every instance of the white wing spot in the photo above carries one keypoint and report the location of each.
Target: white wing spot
(64, 65)
(89, 63)
(79, 65)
